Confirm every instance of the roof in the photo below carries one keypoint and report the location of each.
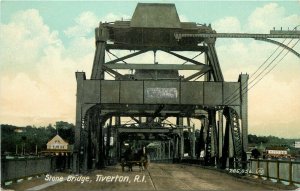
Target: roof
(58, 139)
(155, 15)
(276, 148)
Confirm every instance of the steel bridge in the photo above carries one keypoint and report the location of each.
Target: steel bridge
(155, 93)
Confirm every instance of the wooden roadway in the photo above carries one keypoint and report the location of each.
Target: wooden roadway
(157, 177)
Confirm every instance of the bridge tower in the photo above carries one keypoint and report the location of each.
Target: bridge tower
(154, 92)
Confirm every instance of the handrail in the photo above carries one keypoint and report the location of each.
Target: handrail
(278, 175)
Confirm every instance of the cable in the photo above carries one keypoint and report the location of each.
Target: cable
(237, 90)
(237, 95)
(265, 74)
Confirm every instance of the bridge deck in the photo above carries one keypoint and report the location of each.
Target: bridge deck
(157, 177)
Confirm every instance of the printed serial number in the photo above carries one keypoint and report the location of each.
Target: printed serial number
(239, 171)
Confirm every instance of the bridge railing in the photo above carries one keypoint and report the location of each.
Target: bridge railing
(18, 168)
(279, 170)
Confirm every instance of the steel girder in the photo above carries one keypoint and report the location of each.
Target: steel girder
(89, 148)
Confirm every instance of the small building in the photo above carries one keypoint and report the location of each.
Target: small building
(276, 152)
(297, 144)
(61, 150)
(57, 146)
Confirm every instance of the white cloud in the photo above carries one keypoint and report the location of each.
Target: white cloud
(85, 24)
(227, 24)
(88, 21)
(111, 17)
(263, 19)
(183, 18)
(35, 37)
(273, 102)
(38, 82)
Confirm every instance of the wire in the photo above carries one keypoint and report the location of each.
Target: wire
(237, 90)
(261, 73)
(227, 99)
(264, 74)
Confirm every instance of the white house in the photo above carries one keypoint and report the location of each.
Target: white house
(57, 143)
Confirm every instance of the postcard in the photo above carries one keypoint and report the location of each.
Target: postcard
(150, 95)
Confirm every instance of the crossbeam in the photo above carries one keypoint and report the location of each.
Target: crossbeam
(144, 130)
(156, 66)
(179, 36)
(127, 56)
(184, 58)
(145, 47)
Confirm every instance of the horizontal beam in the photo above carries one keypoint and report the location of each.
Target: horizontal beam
(156, 66)
(126, 57)
(144, 130)
(179, 36)
(167, 48)
(184, 58)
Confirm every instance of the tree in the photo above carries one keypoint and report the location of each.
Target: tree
(66, 131)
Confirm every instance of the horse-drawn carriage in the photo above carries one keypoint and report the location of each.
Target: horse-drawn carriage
(131, 159)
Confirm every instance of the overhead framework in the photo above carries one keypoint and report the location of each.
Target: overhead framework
(293, 34)
(154, 93)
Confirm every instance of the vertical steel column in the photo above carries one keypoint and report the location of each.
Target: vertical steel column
(211, 140)
(169, 149)
(163, 150)
(220, 133)
(99, 59)
(225, 150)
(179, 122)
(193, 142)
(101, 151)
(207, 76)
(175, 147)
(243, 79)
(213, 60)
(191, 137)
(88, 152)
(80, 77)
(117, 124)
(230, 147)
(108, 150)
(203, 135)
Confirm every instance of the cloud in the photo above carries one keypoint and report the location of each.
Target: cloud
(38, 84)
(37, 81)
(273, 104)
(35, 37)
(183, 18)
(227, 24)
(111, 17)
(85, 24)
(271, 15)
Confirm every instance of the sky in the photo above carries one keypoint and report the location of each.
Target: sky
(43, 44)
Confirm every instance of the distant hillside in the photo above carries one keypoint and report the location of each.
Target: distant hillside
(270, 141)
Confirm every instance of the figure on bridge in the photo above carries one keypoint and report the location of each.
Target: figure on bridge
(131, 159)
